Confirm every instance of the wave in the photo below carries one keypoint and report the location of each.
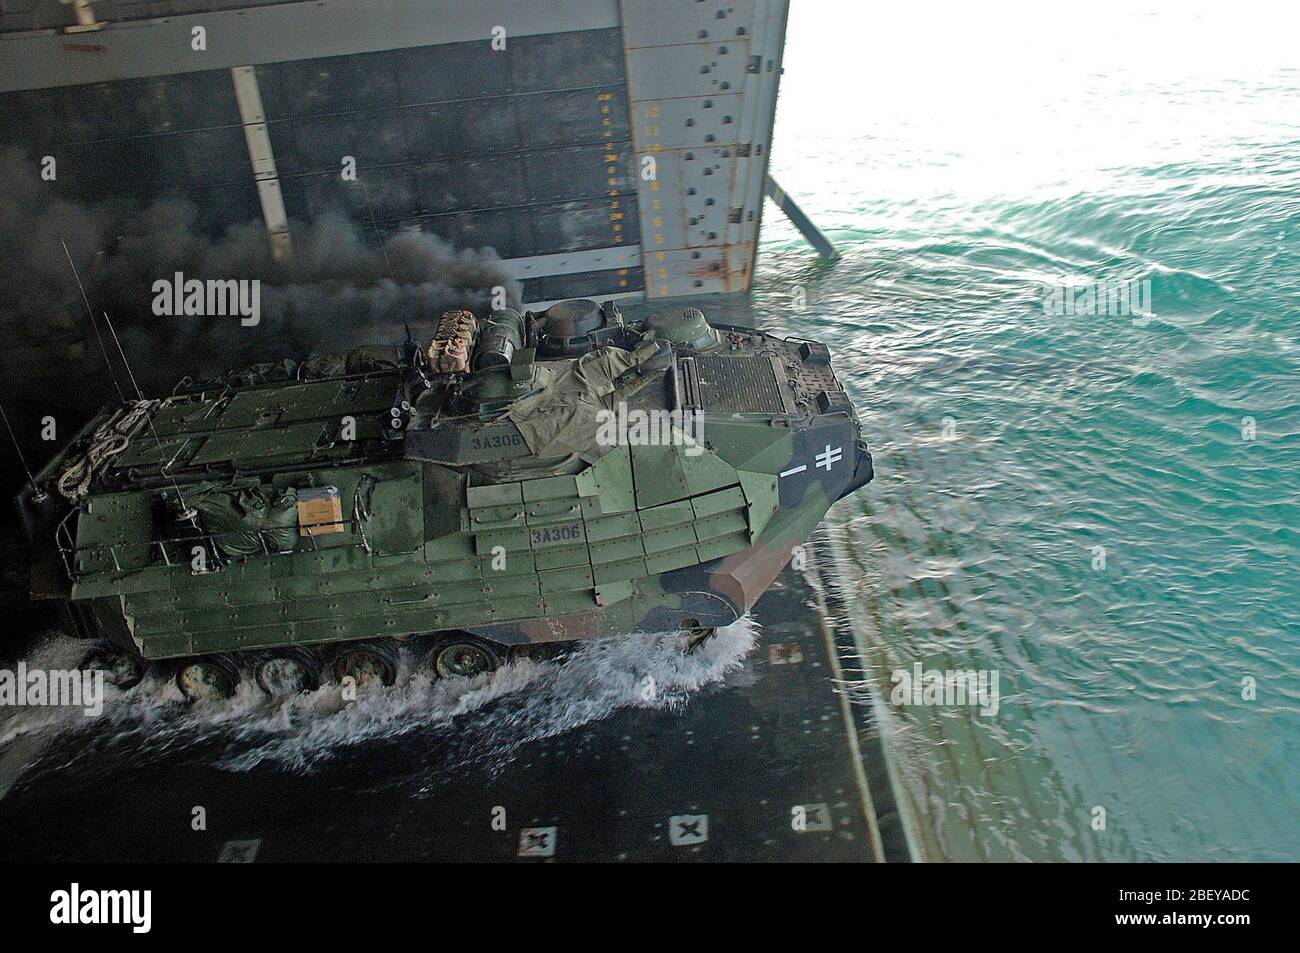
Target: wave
(483, 721)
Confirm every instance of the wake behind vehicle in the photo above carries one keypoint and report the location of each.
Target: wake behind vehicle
(522, 480)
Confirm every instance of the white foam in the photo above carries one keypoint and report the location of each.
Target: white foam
(483, 720)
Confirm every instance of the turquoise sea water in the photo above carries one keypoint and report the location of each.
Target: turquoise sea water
(965, 164)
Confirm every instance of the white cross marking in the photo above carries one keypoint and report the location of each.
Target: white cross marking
(829, 456)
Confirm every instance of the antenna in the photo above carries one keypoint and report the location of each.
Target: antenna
(409, 348)
(187, 513)
(383, 248)
(93, 323)
(375, 225)
(38, 493)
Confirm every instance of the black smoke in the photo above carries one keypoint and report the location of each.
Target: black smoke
(339, 288)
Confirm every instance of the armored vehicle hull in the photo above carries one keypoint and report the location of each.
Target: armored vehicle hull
(522, 481)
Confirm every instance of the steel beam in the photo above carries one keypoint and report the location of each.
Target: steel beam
(807, 227)
(273, 34)
(574, 262)
(262, 158)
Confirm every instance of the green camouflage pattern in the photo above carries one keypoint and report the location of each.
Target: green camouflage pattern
(617, 539)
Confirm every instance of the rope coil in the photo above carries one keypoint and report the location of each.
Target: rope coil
(109, 439)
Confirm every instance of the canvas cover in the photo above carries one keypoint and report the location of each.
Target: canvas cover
(234, 517)
(564, 418)
(359, 360)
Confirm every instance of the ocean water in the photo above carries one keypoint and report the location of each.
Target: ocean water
(1103, 510)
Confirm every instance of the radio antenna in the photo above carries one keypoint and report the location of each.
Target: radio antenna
(383, 248)
(19, 450)
(186, 512)
(93, 323)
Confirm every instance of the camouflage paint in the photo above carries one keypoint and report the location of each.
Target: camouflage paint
(643, 538)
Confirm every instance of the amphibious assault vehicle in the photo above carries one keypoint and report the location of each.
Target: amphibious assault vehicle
(516, 481)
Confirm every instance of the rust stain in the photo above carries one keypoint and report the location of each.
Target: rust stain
(85, 47)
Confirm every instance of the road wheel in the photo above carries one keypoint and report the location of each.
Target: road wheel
(366, 663)
(208, 678)
(462, 656)
(288, 671)
(121, 669)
